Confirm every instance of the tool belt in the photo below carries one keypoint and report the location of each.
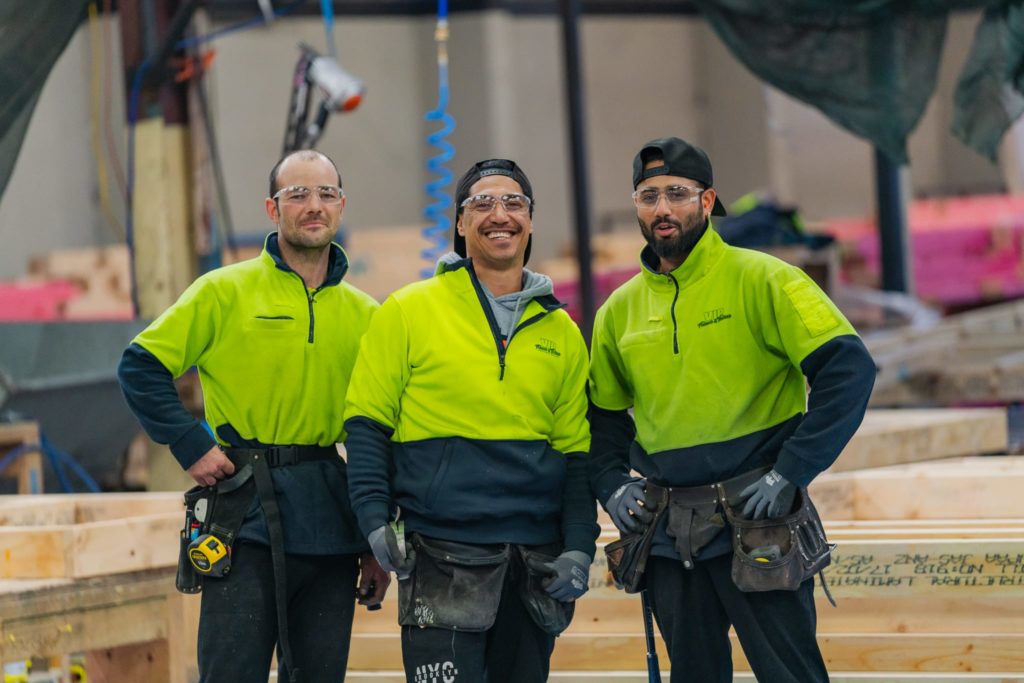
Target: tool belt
(695, 517)
(459, 586)
(696, 514)
(780, 553)
(217, 512)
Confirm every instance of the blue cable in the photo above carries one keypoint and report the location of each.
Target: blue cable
(436, 233)
(327, 9)
(58, 459)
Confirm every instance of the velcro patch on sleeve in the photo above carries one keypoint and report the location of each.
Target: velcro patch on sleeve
(816, 315)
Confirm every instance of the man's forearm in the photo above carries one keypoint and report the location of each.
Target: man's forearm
(611, 434)
(149, 390)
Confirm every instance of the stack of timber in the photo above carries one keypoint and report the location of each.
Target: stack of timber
(928, 573)
(100, 274)
(968, 358)
(94, 574)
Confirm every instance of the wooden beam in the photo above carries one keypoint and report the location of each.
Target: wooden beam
(956, 652)
(90, 549)
(890, 437)
(740, 677)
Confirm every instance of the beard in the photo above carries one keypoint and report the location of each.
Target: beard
(679, 245)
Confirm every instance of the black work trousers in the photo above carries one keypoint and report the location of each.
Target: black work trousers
(513, 650)
(238, 617)
(694, 609)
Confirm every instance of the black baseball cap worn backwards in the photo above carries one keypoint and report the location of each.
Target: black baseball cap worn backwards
(479, 170)
(681, 159)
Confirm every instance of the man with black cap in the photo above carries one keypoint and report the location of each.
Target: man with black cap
(712, 346)
(466, 417)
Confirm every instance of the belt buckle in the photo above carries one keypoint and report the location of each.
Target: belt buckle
(273, 456)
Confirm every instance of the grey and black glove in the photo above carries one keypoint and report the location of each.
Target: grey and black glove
(567, 575)
(390, 557)
(626, 507)
(771, 495)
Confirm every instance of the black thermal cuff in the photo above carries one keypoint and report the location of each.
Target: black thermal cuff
(611, 434)
(841, 375)
(149, 390)
(579, 513)
(370, 467)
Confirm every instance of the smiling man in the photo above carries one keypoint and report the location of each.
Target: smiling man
(712, 347)
(467, 413)
(274, 339)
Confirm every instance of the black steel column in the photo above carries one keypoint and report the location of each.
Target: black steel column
(897, 274)
(570, 11)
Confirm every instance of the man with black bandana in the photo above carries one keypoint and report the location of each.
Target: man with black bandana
(467, 414)
(712, 347)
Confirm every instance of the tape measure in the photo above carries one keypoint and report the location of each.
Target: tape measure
(209, 556)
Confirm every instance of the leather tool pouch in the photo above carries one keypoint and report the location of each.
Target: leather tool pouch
(550, 615)
(803, 549)
(198, 500)
(455, 586)
(693, 526)
(217, 510)
(627, 557)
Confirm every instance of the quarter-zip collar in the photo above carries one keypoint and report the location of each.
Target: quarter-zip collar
(337, 261)
(448, 267)
(702, 258)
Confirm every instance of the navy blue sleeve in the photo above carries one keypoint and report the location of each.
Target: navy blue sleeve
(611, 434)
(370, 468)
(841, 375)
(149, 389)
(579, 513)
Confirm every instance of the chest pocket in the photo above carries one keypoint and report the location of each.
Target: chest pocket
(273, 319)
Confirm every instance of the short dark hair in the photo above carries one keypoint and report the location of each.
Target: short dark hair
(304, 154)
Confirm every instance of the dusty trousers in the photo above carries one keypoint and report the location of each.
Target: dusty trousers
(513, 650)
(238, 617)
(694, 609)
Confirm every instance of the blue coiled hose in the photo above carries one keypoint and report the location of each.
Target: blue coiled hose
(436, 233)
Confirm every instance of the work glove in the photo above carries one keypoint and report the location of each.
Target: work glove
(566, 576)
(771, 495)
(390, 557)
(626, 507)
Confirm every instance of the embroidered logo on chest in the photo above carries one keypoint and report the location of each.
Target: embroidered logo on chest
(715, 315)
(547, 346)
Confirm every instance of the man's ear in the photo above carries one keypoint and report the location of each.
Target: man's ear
(273, 212)
(458, 226)
(707, 200)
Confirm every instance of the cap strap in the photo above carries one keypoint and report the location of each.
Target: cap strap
(496, 171)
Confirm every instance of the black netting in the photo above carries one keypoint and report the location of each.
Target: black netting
(871, 66)
(33, 34)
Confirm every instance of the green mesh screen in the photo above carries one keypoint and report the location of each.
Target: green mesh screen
(870, 65)
(33, 34)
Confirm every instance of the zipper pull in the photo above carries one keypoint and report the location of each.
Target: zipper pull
(501, 362)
